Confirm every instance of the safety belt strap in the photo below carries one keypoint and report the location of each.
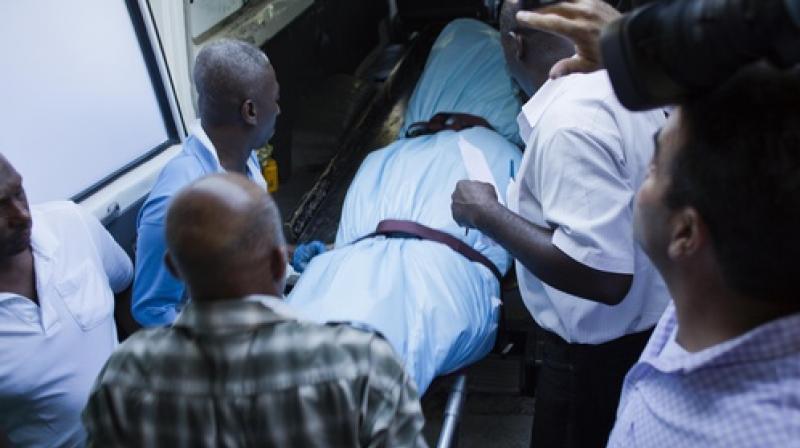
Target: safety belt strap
(452, 121)
(400, 228)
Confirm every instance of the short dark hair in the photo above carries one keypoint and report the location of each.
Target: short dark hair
(740, 168)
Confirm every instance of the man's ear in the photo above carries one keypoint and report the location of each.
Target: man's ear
(171, 267)
(277, 263)
(249, 112)
(688, 234)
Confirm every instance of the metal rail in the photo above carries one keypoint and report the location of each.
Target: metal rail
(452, 414)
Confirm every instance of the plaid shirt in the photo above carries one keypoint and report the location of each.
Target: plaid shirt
(243, 373)
(744, 392)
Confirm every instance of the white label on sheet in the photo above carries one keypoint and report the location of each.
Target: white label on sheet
(478, 170)
(476, 165)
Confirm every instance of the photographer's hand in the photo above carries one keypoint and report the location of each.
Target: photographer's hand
(580, 21)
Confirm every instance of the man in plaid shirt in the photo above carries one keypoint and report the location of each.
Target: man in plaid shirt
(236, 369)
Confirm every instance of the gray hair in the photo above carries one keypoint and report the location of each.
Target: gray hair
(226, 73)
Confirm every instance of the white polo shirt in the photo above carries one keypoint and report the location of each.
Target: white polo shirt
(585, 158)
(50, 354)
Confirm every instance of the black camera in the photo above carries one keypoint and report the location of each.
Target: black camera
(667, 51)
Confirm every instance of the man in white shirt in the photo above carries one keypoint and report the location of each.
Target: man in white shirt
(590, 288)
(59, 270)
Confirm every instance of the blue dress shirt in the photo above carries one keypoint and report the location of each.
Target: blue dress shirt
(744, 392)
(158, 295)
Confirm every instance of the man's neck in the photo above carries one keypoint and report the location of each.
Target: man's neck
(709, 313)
(540, 64)
(535, 79)
(538, 78)
(17, 275)
(232, 147)
(234, 287)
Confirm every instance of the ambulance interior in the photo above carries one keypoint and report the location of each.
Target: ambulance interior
(346, 70)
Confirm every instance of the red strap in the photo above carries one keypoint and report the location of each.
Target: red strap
(391, 227)
(453, 121)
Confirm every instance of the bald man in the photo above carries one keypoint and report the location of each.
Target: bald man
(237, 369)
(238, 105)
(59, 270)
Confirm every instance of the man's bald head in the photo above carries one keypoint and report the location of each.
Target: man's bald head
(227, 73)
(529, 53)
(224, 239)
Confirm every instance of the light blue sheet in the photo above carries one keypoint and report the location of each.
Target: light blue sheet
(437, 309)
(466, 72)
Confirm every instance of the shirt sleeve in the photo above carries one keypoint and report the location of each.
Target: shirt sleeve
(587, 200)
(393, 412)
(116, 264)
(157, 294)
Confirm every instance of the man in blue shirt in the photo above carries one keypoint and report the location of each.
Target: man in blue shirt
(238, 105)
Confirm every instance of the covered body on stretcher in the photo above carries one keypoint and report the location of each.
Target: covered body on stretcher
(438, 309)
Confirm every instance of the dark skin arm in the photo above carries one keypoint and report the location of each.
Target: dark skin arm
(475, 205)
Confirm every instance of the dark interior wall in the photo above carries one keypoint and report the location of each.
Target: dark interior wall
(332, 36)
(416, 14)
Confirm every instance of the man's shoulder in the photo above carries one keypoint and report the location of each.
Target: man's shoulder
(55, 210)
(143, 351)
(286, 354)
(179, 172)
(596, 84)
(585, 106)
(579, 100)
(348, 352)
(60, 217)
(343, 338)
(147, 343)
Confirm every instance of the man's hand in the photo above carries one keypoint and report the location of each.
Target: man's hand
(580, 21)
(470, 199)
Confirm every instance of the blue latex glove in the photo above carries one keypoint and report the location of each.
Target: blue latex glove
(303, 254)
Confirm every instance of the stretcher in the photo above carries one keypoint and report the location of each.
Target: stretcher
(438, 309)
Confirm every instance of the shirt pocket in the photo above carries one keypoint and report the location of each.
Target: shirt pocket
(86, 296)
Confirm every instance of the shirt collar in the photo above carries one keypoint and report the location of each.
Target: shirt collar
(773, 340)
(210, 152)
(205, 140)
(43, 243)
(45, 247)
(533, 110)
(234, 314)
